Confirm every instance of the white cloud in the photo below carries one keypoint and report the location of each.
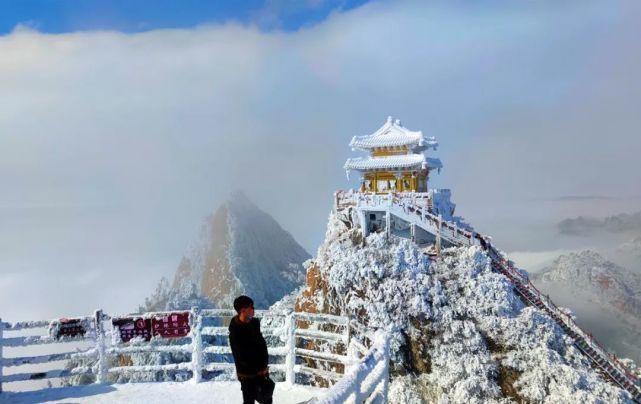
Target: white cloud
(114, 146)
(534, 261)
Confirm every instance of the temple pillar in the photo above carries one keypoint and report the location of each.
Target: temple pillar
(362, 218)
(388, 223)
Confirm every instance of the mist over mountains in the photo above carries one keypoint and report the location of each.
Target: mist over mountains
(585, 226)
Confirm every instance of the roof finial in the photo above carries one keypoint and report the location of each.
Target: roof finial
(398, 122)
(389, 119)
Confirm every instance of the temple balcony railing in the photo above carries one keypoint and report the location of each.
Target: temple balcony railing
(346, 198)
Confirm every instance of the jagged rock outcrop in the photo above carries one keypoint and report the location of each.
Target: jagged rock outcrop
(240, 250)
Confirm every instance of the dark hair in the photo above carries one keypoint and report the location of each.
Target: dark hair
(241, 302)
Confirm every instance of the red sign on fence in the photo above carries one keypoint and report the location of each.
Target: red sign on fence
(133, 327)
(69, 327)
(172, 325)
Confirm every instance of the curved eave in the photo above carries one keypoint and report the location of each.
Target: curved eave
(393, 163)
(433, 163)
(366, 170)
(387, 164)
(370, 144)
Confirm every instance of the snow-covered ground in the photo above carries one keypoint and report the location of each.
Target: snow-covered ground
(158, 393)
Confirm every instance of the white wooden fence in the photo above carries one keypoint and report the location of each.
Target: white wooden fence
(30, 340)
(367, 381)
(322, 332)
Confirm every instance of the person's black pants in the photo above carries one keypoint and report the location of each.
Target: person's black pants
(257, 389)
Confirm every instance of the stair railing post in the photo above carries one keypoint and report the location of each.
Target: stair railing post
(290, 359)
(413, 232)
(1, 358)
(196, 345)
(439, 222)
(103, 363)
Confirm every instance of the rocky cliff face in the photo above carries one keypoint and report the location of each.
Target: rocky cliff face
(240, 250)
(605, 296)
(459, 332)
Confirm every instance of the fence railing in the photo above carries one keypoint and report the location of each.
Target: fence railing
(204, 346)
(367, 380)
(405, 206)
(89, 335)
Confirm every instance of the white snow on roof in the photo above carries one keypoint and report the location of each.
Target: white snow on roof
(392, 134)
(405, 161)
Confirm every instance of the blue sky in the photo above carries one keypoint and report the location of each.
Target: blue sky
(56, 16)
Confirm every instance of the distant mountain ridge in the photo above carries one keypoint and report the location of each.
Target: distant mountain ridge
(240, 250)
(605, 296)
(587, 272)
(582, 225)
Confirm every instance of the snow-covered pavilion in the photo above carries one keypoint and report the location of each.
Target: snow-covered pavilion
(396, 162)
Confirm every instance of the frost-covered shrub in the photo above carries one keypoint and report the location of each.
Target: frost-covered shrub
(458, 329)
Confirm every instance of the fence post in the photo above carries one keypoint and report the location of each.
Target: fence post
(100, 347)
(196, 345)
(352, 352)
(386, 372)
(290, 359)
(1, 358)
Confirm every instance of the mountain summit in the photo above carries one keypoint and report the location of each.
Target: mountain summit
(588, 273)
(605, 297)
(459, 331)
(240, 250)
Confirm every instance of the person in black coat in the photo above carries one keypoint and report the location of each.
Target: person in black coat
(250, 353)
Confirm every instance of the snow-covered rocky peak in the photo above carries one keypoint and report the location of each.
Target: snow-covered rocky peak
(459, 332)
(585, 267)
(605, 297)
(240, 250)
(587, 272)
